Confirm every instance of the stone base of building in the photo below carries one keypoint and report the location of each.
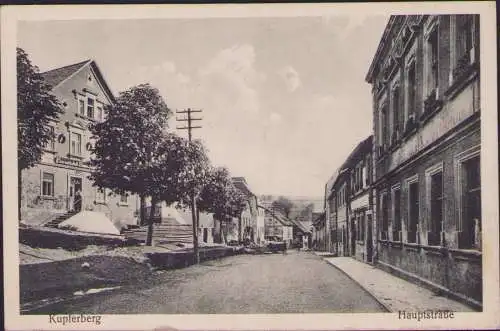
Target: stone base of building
(452, 275)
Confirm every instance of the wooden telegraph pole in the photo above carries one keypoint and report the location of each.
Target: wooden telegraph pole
(194, 213)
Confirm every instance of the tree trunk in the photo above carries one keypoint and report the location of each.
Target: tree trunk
(142, 210)
(195, 230)
(149, 238)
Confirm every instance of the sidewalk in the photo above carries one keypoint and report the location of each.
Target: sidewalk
(393, 292)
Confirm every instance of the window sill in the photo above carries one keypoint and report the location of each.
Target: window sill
(74, 156)
(47, 197)
(408, 134)
(466, 252)
(50, 151)
(85, 117)
(431, 111)
(122, 204)
(100, 203)
(460, 81)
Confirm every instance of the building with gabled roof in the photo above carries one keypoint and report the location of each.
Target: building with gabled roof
(49, 189)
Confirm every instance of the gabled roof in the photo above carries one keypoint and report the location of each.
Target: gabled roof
(56, 76)
(241, 184)
(277, 215)
(361, 149)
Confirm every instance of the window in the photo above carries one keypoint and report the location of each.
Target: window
(361, 228)
(464, 38)
(100, 113)
(396, 219)
(411, 90)
(432, 62)
(124, 199)
(76, 143)
(471, 204)
(47, 184)
(383, 123)
(51, 142)
(81, 107)
(100, 195)
(436, 206)
(90, 107)
(395, 111)
(385, 217)
(413, 211)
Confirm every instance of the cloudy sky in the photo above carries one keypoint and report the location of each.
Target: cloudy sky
(284, 99)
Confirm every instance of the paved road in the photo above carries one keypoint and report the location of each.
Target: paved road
(270, 283)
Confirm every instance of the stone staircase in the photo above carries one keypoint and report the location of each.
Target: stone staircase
(168, 231)
(59, 219)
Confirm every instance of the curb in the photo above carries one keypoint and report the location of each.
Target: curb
(384, 305)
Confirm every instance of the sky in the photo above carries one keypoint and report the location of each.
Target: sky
(284, 99)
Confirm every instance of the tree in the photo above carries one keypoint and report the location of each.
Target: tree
(284, 205)
(130, 144)
(36, 109)
(219, 195)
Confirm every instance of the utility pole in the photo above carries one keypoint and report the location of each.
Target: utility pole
(194, 212)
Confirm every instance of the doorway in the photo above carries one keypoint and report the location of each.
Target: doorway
(75, 194)
(369, 242)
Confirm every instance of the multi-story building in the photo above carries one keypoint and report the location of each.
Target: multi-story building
(426, 117)
(48, 189)
(359, 165)
(250, 225)
(337, 212)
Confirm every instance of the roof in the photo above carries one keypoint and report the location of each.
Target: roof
(56, 76)
(241, 184)
(363, 148)
(278, 216)
(380, 48)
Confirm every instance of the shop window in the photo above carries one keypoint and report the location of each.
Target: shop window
(436, 209)
(470, 227)
(413, 211)
(47, 184)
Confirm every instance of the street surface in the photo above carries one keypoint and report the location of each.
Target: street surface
(245, 284)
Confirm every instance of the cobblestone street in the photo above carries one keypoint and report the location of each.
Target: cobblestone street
(292, 283)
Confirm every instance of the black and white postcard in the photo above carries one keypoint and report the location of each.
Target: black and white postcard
(258, 166)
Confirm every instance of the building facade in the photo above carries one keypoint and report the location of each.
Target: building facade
(251, 227)
(49, 188)
(426, 149)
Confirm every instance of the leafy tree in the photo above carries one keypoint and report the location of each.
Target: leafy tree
(220, 197)
(284, 205)
(130, 144)
(36, 108)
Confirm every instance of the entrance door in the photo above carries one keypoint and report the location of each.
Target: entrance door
(75, 185)
(205, 235)
(369, 242)
(353, 236)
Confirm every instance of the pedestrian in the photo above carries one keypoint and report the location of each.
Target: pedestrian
(78, 201)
